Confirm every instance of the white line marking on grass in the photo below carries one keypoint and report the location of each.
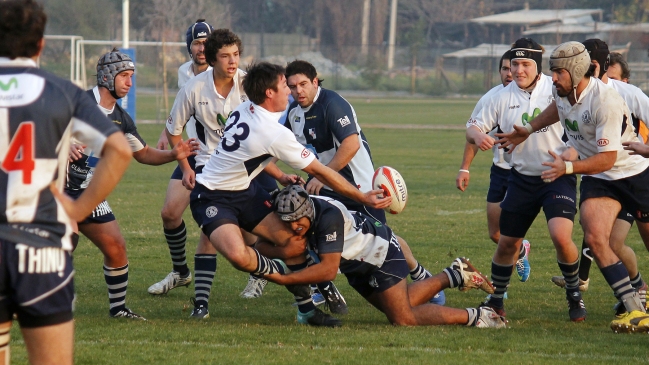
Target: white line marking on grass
(283, 346)
(472, 211)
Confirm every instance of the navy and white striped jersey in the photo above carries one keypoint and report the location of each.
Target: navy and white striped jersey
(39, 113)
(80, 171)
(356, 236)
(323, 126)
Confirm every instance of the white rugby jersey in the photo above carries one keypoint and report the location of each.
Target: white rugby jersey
(185, 73)
(499, 157)
(199, 99)
(512, 106)
(599, 122)
(636, 100)
(252, 138)
(39, 113)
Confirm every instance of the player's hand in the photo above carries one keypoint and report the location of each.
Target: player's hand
(636, 148)
(512, 139)
(76, 152)
(372, 199)
(189, 179)
(163, 141)
(462, 180)
(314, 186)
(70, 206)
(557, 168)
(484, 141)
(292, 179)
(276, 278)
(295, 246)
(184, 149)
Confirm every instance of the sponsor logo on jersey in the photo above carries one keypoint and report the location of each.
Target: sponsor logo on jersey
(268, 204)
(526, 118)
(12, 82)
(297, 119)
(244, 98)
(344, 121)
(252, 109)
(312, 132)
(202, 103)
(640, 214)
(117, 122)
(331, 237)
(585, 118)
(550, 99)
(602, 142)
(211, 212)
(311, 117)
(221, 119)
(572, 125)
(170, 120)
(201, 34)
(472, 121)
(305, 153)
(514, 106)
(44, 260)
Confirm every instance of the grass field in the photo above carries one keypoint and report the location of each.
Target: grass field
(440, 223)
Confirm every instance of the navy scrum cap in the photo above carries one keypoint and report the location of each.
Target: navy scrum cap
(200, 29)
(527, 48)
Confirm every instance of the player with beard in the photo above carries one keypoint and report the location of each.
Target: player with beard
(527, 192)
(598, 123)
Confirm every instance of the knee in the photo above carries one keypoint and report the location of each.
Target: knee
(169, 214)
(494, 236)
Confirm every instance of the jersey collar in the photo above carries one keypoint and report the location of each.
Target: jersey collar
(314, 100)
(17, 62)
(95, 92)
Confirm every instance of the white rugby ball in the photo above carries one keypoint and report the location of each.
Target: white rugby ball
(392, 183)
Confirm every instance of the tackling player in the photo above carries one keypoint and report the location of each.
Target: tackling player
(516, 105)
(114, 72)
(370, 256)
(498, 176)
(598, 123)
(226, 199)
(39, 113)
(326, 124)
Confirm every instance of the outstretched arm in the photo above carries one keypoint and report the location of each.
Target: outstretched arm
(510, 140)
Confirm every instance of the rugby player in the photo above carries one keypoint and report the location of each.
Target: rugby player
(638, 104)
(114, 79)
(612, 179)
(516, 105)
(369, 254)
(39, 113)
(498, 176)
(326, 124)
(226, 198)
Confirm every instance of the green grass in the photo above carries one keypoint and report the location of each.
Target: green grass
(439, 223)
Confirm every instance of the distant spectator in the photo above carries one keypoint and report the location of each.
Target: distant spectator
(618, 68)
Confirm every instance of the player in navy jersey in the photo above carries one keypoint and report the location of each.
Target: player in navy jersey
(370, 255)
(114, 73)
(39, 113)
(326, 124)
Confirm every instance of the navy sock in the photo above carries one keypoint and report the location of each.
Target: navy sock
(204, 271)
(419, 273)
(500, 276)
(117, 281)
(176, 239)
(571, 274)
(266, 265)
(617, 277)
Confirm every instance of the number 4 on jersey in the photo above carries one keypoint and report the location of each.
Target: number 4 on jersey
(20, 155)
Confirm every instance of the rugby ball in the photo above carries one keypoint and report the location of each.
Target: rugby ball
(392, 183)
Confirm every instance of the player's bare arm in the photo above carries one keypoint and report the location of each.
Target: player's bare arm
(338, 183)
(637, 148)
(279, 175)
(116, 155)
(295, 247)
(596, 164)
(189, 176)
(343, 156)
(462, 179)
(163, 142)
(548, 117)
(325, 270)
(180, 151)
(482, 140)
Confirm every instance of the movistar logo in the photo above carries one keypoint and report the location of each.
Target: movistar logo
(526, 118)
(572, 125)
(5, 87)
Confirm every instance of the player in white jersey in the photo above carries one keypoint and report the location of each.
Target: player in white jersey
(226, 198)
(498, 176)
(516, 105)
(598, 123)
(638, 104)
(370, 255)
(208, 98)
(618, 68)
(114, 72)
(39, 113)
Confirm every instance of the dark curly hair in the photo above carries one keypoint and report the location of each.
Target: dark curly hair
(218, 39)
(22, 25)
